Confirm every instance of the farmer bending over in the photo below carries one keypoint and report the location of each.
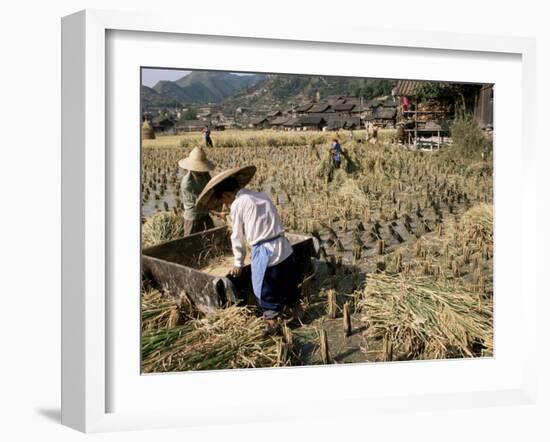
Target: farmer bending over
(256, 220)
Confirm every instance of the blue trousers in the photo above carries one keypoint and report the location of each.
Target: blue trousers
(279, 288)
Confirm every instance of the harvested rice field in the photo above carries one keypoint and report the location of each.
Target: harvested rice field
(405, 266)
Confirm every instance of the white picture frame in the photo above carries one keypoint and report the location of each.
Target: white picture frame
(87, 227)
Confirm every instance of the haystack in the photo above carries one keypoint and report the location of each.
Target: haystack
(229, 338)
(350, 190)
(427, 320)
(477, 223)
(160, 227)
(147, 132)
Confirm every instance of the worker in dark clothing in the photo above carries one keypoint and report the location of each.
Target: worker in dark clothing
(336, 153)
(207, 139)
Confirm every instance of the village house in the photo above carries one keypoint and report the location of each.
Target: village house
(292, 124)
(312, 122)
(191, 126)
(478, 101)
(333, 99)
(483, 106)
(278, 123)
(319, 108)
(259, 123)
(301, 110)
(422, 122)
(273, 114)
(344, 113)
(343, 121)
(343, 108)
(383, 116)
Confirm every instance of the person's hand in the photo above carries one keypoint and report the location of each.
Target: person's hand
(236, 271)
(222, 215)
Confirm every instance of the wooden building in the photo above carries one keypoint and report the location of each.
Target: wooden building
(191, 126)
(278, 123)
(260, 123)
(312, 122)
(274, 114)
(483, 106)
(319, 108)
(383, 116)
(302, 109)
(291, 124)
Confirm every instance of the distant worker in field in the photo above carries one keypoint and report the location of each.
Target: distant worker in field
(196, 176)
(375, 133)
(336, 150)
(400, 135)
(207, 138)
(256, 220)
(367, 132)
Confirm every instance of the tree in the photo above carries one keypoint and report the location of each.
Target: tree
(455, 92)
(373, 88)
(189, 114)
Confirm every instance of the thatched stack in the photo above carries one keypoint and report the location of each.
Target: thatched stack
(425, 319)
(160, 227)
(228, 338)
(147, 132)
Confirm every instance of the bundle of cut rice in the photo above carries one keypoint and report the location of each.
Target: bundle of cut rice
(160, 227)
(422, 319)
(351, 190)
(477, 223)
(229, 338)
(157, 311)
(147, 132)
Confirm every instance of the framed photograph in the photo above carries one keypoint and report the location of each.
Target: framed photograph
(286, 211)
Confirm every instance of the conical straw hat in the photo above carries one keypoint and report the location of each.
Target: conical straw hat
(207, 199)
(197, 161)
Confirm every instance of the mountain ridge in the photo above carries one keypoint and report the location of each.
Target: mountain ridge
(197, 87)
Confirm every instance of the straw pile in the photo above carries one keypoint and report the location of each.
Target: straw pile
(161, 226)
(477, 224)
(158, 311)
(147, 132)
(350, 190)
(418, 318)
(229, 338)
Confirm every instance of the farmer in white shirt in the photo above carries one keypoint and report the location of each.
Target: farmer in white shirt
(256, 221)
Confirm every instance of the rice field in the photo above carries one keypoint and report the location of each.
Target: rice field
(406, 264)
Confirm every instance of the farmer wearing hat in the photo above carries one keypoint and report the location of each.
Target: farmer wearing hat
(196, 176)
(256, 221)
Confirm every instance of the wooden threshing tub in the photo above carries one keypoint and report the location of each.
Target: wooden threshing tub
(173, 265)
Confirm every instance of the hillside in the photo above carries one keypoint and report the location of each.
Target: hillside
(198, 87)
(284, 90)
(216, 86)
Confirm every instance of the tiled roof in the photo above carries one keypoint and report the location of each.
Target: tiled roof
(406, 87)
